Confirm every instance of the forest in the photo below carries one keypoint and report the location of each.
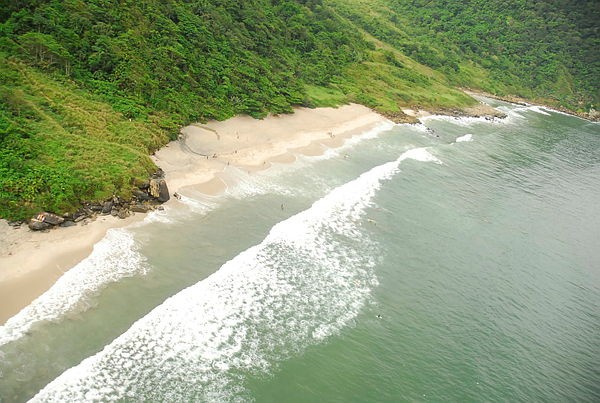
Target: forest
(88, 89)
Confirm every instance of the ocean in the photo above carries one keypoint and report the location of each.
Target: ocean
(457, 260)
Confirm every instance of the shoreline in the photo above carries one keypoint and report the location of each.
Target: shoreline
(589, 116)
(205, 151)
(31, 261)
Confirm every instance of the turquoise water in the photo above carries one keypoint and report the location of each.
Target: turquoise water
(479, 250)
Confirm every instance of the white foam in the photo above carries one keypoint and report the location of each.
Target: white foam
(305, 281)
(247, 185)
(466, 137)
(112, 259)
(548, 109)
(518, 110)
(201, 205)
(419, 154)
(539, 109)
(353, 141)
(460, 121)
(161, 216)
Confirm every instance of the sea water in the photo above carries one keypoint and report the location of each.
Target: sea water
(455, 260)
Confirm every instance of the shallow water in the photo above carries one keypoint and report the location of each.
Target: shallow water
(479, 250)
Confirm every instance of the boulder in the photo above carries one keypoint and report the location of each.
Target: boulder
(140, 208)
(96, 207)
(158, 174)
(50, 218)
(68, 223)
(123, 213)
(37, 225)
(163, 191)
(107, 207)
(159, 190)
(141, 196)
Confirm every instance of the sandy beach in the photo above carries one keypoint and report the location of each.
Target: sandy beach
(30, 262)
(206, 150)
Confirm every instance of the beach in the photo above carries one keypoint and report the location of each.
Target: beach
(413, 260)
(30, 262)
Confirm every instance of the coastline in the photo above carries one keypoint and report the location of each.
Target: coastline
(592, 116)
(31, 262)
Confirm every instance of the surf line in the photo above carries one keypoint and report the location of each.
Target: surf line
(212, 343)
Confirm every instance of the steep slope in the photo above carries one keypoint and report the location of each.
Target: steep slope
(88, 89)
(540, 50)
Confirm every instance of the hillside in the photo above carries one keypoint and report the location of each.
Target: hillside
(89, 89)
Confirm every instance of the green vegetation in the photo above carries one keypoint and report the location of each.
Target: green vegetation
(89, 89)
(539, 50)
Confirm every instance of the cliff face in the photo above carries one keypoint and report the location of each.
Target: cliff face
(89, 89)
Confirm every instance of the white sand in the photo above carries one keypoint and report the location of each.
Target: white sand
(30, 262)
(205, 150)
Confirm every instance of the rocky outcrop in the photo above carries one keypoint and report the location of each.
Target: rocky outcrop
(477, 111)
(157, 187)
(107, 207)
(159, 190)
(44, 221)
(146, 197)
(36, 225)
(400, 117)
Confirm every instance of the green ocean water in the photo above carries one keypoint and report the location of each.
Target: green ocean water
(454, 261)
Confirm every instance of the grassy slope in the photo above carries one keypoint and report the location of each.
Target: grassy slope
(61, 146)
(543, 51)
(80, 127)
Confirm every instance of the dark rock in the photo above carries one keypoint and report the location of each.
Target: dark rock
(163, 191)
(50, 218)
(123, 213)
(15, 224)
(37, 225)
(80, 218)
(159, 190)
(114, 212)
(160, 208)
(158, 174)
(68, 223)
(141, 196)
(96, 207)
(140, 208)
(107, 207)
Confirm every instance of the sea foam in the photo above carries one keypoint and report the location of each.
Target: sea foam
(465, 138)
(353, 141)
(304, 282)
(113, 258)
